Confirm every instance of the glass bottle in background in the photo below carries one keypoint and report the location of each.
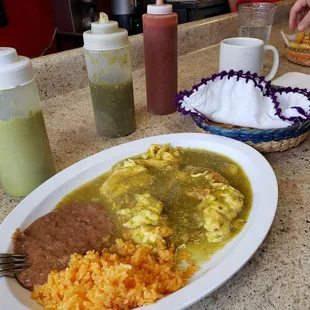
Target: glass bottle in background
(25, 155)
(160, 33)
(90, 15)
(256, 20)
(108, 61)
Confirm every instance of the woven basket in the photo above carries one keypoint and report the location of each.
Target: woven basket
(298, 56)
(265, 141)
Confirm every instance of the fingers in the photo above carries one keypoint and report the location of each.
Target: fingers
(297, 8)
(305, 23)
(300, 16)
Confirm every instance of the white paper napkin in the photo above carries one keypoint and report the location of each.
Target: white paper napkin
(293, 79)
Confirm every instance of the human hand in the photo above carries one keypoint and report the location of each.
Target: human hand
(300, 15)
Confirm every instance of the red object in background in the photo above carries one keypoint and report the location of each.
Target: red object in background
(31, 26)
(105, 6)
(254, 1)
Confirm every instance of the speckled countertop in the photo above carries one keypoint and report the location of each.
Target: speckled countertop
(278, 275)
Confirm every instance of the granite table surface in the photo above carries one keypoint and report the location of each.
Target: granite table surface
(278, 275)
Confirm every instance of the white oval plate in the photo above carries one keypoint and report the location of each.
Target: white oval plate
(223, 265)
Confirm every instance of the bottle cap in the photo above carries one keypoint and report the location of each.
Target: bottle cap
(14, 70)
(105, 35)
(159, 8)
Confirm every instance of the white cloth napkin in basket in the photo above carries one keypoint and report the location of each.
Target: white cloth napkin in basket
(240, 102)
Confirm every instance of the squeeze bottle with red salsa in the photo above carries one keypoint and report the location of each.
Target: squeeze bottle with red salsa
(160, 32)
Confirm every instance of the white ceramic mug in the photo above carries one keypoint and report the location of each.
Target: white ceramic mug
(246, 54)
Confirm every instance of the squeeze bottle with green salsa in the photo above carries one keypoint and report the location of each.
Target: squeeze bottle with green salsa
(25, 155)
(108, 61)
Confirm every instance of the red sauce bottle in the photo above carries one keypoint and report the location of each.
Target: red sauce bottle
(160, 32)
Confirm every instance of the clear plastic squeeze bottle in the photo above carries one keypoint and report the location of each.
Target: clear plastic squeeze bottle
(26, 159)
(108, 61)
(160, 31)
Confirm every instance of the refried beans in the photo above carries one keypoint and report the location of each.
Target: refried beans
(51, 239)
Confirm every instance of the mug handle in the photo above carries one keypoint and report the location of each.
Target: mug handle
(275, 65)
